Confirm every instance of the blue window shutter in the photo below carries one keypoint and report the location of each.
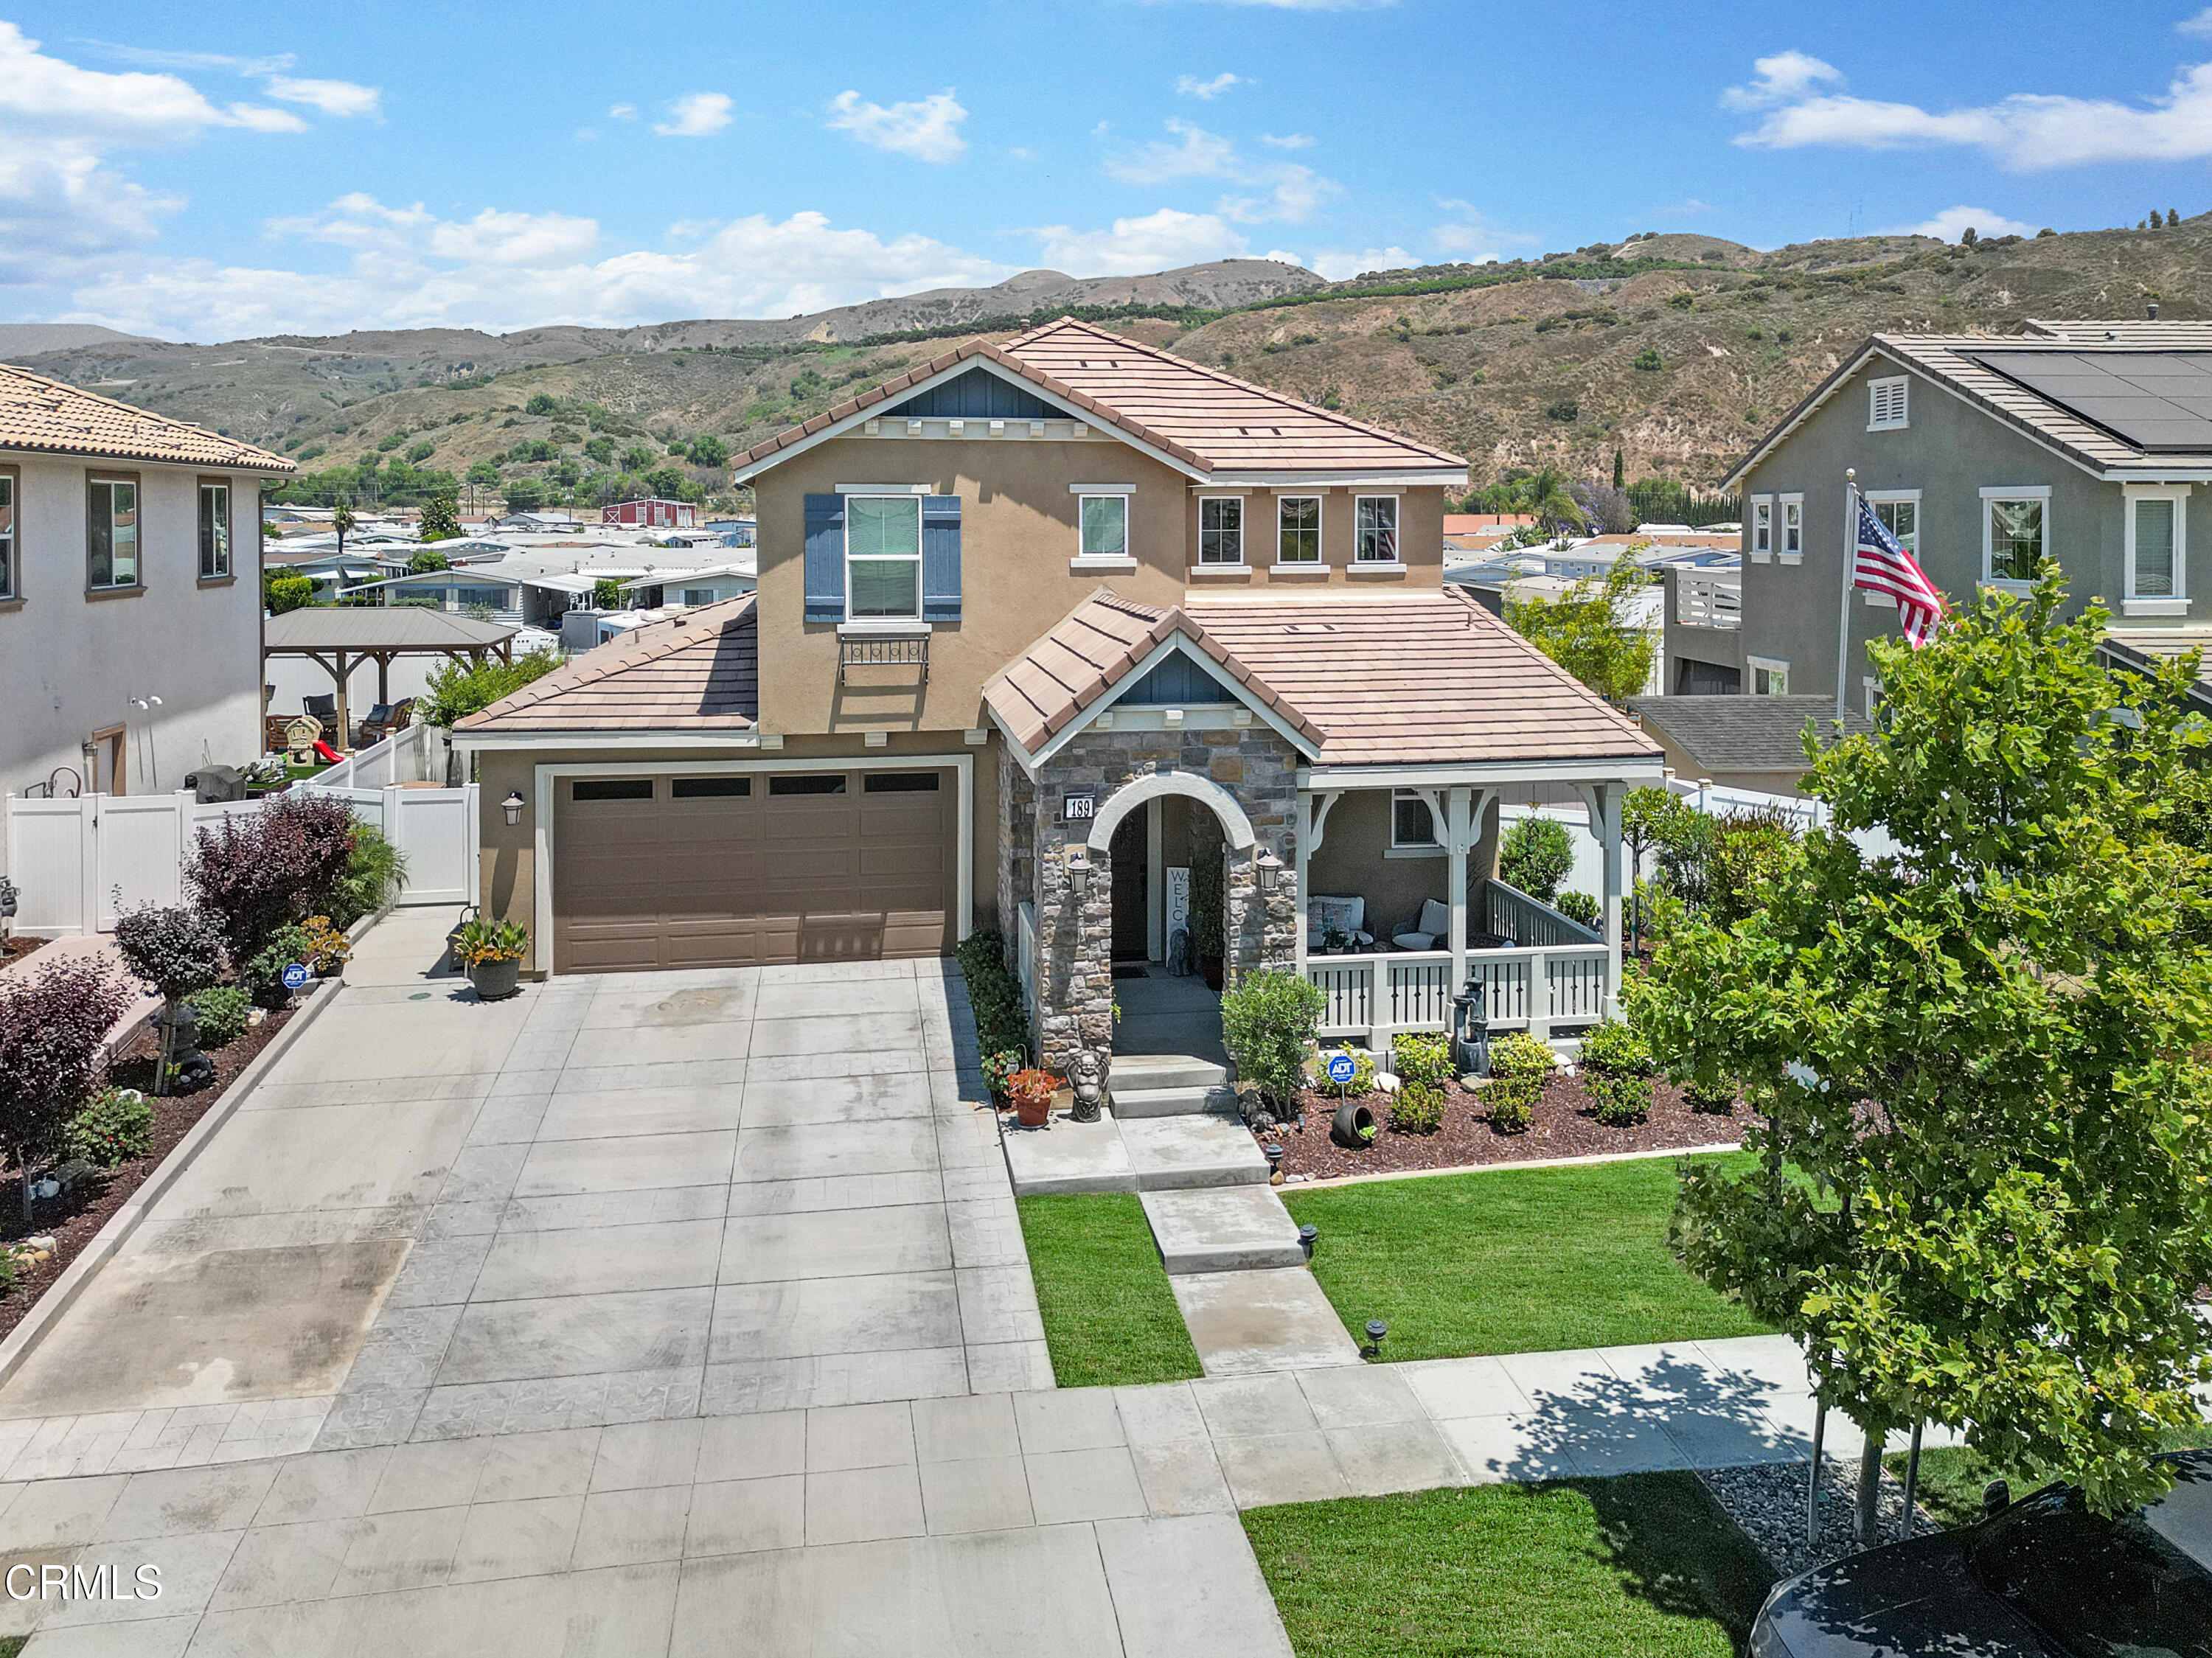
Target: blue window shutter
(941, 558)
(826, 558)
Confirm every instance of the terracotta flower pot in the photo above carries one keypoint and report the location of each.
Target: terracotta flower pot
(1032, 1113)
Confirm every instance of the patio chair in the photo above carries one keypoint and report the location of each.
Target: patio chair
(1346, 915)
(377, 725)
(325, 709)
(1435, 923)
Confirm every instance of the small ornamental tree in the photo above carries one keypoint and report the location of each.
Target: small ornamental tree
(1982, 1188)
(1536, 856)
(441, 521)
(53, 1031)
(258, 872)
(1592, 630)
(178, 950)
(1268, 1024)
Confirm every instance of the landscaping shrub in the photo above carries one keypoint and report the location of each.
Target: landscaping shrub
(262, 975)
(1417, 1108)
(1580, 907)
(53, 1034)
(1717, 1098)
(1001, 1024)
(1617, 1071)
(1520, 1066)
(1535, 857)
(257, 872)
(1363, 1072)
(1267, 1023)
(461, 689)
(374, 871)
(222, 1013)
(177, 950)
(114, 1125)
(1421, 1058)
(997, 1068)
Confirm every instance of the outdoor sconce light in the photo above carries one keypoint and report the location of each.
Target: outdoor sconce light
(511, 808)
(1271, 872)
(1274, 1154)
(1079, 868)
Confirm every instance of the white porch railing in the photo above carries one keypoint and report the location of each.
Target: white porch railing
(1510, 913)
(1367, 998)
(1708, 601)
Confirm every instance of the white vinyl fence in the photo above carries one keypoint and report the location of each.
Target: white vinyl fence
(78, 861)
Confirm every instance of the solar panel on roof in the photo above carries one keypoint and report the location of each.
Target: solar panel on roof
(2156, 400)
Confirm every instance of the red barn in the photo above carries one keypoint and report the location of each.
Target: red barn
(654, 513)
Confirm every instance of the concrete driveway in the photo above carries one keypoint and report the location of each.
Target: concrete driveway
(662, 1313)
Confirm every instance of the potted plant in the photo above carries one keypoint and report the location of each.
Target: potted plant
(1031, 1093)
(492, 953)
(997, 1068)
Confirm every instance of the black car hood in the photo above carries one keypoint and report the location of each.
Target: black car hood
(1930, 1603)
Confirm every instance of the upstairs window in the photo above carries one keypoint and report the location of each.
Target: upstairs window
(1887, 407)
(1793, 526)
(8, 589)
(1769, 677)
(1105, 529)
(1221, 530)
(215, 530)
(1901, 516)
(111, 534)
(1376, 538)
(1297, 529)
(2013, 533)
(1762, 527)
(2157, 548)
(882, 557)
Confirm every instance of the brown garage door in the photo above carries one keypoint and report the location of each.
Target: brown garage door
(752, 870)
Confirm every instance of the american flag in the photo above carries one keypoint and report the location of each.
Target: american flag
(1884, 567)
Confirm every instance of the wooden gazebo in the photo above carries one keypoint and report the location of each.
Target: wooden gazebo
(342, 637)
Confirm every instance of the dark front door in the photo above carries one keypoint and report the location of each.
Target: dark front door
(1128, 854)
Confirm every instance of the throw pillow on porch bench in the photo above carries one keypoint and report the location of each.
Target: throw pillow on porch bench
(1347, 915)
(1435, 924)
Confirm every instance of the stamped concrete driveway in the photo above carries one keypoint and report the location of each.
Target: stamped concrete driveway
(661, 1314)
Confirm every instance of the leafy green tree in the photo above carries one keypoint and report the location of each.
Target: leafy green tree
(427, 562)
(601, 450)
(523, 495)
(441, 518)
(1983, 1190)
(484, 474)
(460, 689)
(342, 522)
(1619, 471)
(542, 403)
(606, 594)
(638, 458)
(1592, 631)
(707, 452)
(281, 592)
(1536, 856)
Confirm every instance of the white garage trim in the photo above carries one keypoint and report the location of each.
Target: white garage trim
(548, 776)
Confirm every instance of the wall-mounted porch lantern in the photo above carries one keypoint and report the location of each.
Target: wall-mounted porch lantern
(1079, 868)
(1271, 872)
(511, 808)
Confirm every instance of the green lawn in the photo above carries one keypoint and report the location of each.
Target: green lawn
(1110, 1317)
(1513, 1261)
(1641, 1566)
(1952, 1478)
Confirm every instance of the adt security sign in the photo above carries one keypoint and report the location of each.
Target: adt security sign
(295, 976)
(1342, 1069)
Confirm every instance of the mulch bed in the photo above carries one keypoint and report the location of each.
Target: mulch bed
(1562, 1123)
(73, 1221)
(15, 949)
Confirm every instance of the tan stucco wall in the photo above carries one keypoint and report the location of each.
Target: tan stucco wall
(1421, 542)
(508, 865)
(1355, 861)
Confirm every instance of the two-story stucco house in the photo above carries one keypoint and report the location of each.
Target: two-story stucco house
(1047, 637)
(2082, 441)
(130, 593)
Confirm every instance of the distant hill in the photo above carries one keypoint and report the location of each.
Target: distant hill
(1678, 350)
(26, 339)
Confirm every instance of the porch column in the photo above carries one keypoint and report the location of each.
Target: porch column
(1459, 841)
(1302, 856)
(1609, 799)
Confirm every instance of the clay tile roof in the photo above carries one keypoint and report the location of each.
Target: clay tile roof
(698, 671)
(1204, 419)
(51, 416)
(1092, 650)
(1427, 679)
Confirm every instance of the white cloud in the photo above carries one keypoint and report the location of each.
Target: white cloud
(505, 269)
(1675, 209)
(339, 98)
(1948, 225)
(1197, 154)
(1339, 266)
(1778, 79)
(152, 58)
(927, 129)
(1136, 246)
(1289, 140)
(1191, 86)
(623, 113)
(2199, 25)
(2027, 132)
(1297, 191)
(1293, 192)
(696, 115)
(1470, 236)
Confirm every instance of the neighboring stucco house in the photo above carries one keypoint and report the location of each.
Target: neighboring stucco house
(130, 593)
(1047, 635)
(2086, 441)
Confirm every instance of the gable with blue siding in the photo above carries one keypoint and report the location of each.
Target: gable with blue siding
(979, 394)
(1176, 681)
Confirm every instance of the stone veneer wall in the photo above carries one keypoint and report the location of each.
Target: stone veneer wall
(1075, 990)
(1017, 849)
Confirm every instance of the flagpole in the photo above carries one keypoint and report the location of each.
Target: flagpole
(1850, 558)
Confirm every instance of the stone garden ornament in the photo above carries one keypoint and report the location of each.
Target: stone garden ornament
(1086, 1078)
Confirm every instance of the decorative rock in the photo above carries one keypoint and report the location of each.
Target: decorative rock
(1385, 1083)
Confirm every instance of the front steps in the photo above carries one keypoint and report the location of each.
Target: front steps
(1147, 1154)
(1170, 1085)
(1242, 1229)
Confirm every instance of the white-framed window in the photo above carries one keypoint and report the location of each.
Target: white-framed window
(215, 530)
(1889, 406)
(110, 553)
(1869, 693)
(1412, 825)
(1762, 527)
(1375, 530)
(1899, 510)
(1221, 530)
(9, 562)
(1793, 529)
(883, 558)
(2157, 543)
(2015, 532)
(1297, 529)
(695, 597)
(1770, 677)
(1104, 530)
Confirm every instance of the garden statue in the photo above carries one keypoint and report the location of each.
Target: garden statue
(1179, 952)
(1086, 1078)
(188, 1068)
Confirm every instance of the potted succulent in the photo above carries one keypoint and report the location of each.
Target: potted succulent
(1031, 1092)
(492, 953)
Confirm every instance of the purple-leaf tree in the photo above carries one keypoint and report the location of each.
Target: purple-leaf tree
(53, 1034)
(178, 950)
(260, 871)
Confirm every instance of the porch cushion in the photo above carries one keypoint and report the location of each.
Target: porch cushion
(1347, 915)
(1435, 924)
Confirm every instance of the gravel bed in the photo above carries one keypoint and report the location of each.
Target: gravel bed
(1768, 1501)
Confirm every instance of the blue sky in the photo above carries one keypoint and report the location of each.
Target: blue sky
(268, 168)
